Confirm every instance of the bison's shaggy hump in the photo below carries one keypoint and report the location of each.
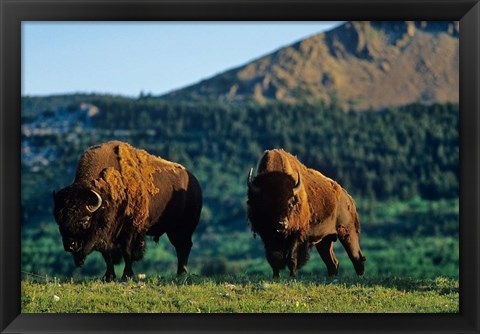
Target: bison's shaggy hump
(129, 180)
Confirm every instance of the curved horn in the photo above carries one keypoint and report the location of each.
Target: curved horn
(297, 187)
(250, 182)
(93, 208)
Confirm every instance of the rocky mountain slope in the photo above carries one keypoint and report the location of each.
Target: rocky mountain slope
(359, 65)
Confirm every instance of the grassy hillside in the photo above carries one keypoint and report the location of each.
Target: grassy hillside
(244, 294)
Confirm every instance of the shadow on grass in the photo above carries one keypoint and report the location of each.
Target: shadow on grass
(441, 285)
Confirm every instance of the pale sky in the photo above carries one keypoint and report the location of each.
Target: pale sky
(127, 58)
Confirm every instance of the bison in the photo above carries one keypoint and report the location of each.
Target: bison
(121, 194)
(294, 208)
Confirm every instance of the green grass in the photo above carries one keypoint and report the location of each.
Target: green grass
(243, 294)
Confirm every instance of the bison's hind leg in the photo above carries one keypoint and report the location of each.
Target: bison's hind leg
(181, 235)
(348, 231)
(181, 239)
(350, 240)
(325, 249)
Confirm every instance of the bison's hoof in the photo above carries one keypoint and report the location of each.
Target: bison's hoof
(181, 278)
(333, 273)
(108, 278)
(128, 277)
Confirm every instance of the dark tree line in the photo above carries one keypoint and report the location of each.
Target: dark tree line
(397, 152)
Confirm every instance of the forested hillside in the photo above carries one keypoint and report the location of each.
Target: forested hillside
(400, 164)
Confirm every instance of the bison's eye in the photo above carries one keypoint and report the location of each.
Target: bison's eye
(292, 202)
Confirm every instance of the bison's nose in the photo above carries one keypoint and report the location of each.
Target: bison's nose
(73, 246)
(284, 222)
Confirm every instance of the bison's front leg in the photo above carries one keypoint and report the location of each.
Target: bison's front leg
(127, 271)
(350, 241)
(292, 259)
(275, 259)
(110, 273)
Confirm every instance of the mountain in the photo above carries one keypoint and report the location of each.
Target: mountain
(359, 65)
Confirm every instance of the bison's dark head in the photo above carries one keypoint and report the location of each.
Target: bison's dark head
(74, 210)
(273, 201)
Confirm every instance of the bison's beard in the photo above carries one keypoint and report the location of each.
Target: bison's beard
(79, 259)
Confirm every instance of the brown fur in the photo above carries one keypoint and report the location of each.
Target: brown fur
(130, 180)
(319, 195)
(141, 194)
(322, 208)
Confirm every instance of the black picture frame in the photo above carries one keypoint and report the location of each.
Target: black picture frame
(13, 12)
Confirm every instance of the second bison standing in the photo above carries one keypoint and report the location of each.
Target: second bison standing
(294, 208)
(119, 195)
